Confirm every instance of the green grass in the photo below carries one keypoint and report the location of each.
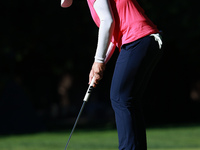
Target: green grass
(174, 138)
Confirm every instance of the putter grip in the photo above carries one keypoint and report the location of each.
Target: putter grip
(89, 90)
(108, 55)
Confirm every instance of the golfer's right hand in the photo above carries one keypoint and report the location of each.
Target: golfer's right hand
(96, 72)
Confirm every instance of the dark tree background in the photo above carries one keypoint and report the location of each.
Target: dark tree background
(46, 53)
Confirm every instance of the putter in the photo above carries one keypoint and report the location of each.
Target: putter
(87, 95)
(109, 53)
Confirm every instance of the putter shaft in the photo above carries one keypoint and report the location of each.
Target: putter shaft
(75, 123)
(87, 95)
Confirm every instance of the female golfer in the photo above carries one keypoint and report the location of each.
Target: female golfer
(123, 23)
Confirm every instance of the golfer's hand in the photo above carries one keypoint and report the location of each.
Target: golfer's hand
(97, 72)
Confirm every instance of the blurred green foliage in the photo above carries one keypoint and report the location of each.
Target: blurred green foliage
(40, 41)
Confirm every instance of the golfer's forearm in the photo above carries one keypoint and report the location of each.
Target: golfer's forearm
(106, 28)
(110, 51)
(103, 41)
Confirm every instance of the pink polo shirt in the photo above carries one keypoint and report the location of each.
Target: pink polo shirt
(131, 23)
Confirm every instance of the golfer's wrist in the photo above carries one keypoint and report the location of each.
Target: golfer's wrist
(99, 60)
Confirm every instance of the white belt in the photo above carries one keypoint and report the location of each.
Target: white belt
(158, 38)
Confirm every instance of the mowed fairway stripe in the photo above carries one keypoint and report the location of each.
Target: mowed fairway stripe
(174, 149)
(173, 138)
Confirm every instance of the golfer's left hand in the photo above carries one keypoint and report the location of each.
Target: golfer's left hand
(97, 72)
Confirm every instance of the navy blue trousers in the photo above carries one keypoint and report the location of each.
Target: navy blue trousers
(133, 69)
